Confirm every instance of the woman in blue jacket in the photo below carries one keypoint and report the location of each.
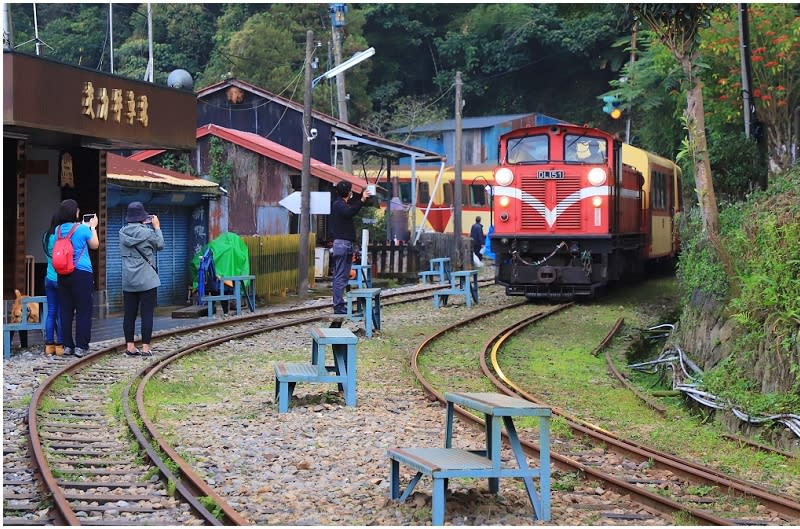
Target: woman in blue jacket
(75, 289)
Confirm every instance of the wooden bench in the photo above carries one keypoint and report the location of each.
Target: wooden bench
(365, 304)
(238, 290)
(342, 343)
(24, 325)
(363, 277)
(439, 270)
(442, 464)
(462, 283)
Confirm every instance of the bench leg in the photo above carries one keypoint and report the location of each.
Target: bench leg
(6, 344)
(438, 501)
(210, 308)
(284, 390)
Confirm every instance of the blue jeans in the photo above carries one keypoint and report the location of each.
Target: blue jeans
(75, 298)
(342, 261)
(52, 325)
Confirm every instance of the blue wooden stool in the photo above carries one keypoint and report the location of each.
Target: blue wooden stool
(365, 304)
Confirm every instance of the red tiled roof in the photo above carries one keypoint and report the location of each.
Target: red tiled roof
(270, 149)
(120, 168)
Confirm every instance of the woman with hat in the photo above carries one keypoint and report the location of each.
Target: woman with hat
(139, 240)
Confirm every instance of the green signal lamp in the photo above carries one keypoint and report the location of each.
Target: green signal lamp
(611, 106)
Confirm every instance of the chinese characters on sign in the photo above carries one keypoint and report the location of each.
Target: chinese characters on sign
(97, 104)
(67, 178)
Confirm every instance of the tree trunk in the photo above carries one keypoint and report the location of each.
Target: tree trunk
(696, 125)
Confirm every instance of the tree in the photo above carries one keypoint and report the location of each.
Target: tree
(775, 45)
(678, 27)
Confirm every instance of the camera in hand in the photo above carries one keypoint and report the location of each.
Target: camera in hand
(87, 217)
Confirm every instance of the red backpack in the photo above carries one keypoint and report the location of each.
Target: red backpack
(63, 252)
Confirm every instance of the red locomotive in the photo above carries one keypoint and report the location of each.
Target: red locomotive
(575, 208)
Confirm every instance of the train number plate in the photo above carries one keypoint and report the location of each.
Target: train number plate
(550, 175)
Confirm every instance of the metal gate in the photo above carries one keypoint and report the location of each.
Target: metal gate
(173, 260)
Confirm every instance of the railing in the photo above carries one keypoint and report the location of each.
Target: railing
(393, 261)
(274, 262)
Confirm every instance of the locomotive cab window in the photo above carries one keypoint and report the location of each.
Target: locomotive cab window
(528, 149)
(585, 149)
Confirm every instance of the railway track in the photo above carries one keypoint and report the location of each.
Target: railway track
(93, 457)
(647, 475)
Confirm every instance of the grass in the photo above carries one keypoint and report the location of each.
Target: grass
(557, 367)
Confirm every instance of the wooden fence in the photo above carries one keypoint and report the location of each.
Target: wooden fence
(274, 262)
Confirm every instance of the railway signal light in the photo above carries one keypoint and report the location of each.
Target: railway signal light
(611, 106)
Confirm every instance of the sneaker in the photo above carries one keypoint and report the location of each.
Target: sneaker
(135, 352)
(147, 353)
(80, 352)
(68, 351)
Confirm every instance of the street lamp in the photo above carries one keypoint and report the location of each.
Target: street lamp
(349, 63)
(305, 176)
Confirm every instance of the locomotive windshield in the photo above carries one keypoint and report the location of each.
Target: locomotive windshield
(528, 149)
(585, 149)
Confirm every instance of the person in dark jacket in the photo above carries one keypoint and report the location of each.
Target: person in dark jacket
(345, 208)
(476, 233)
(139, 240)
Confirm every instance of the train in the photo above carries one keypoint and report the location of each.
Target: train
(434, 198)
(575, 209)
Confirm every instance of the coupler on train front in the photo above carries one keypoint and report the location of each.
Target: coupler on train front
(567, 272)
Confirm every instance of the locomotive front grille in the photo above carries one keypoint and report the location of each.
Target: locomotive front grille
(532, 219)
(552, 194)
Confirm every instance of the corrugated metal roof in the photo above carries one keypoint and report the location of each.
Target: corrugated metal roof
(466, 123)
(375, 142)
(120, 169)
(272, 150)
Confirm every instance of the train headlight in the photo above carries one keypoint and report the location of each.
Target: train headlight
(597, 201)
(504, 201)
(504, 176)
(597, 176)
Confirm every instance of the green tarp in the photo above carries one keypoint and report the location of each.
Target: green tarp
(231, 257)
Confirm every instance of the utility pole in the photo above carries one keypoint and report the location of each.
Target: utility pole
(744, 39)
(111, 36)
(457, 182)
(305, 177)
(148, 74)
(341, 97)
(632, 60)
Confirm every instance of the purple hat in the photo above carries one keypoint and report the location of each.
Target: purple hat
(136, 213)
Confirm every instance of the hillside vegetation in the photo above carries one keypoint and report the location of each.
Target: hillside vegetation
(745, 329)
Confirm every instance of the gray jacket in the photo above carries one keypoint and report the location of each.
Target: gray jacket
(137, 274)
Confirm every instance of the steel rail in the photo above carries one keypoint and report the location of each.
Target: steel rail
(61, 506)
(688, 469)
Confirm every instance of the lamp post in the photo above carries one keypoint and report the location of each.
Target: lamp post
(305, 176)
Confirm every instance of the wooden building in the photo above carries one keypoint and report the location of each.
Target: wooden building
(59, 121)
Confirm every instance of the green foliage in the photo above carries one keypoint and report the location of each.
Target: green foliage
(736, 162)
(731, 384)
(775, 60)
(221, 170)
(767, 246)
(699, 268)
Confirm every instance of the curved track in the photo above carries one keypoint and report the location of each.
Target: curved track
(784, 508)
(97, 455)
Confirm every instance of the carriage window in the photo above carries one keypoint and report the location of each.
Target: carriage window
(405, 192)
(528, 149)
(448, 193)
(478, 195)
(423, 193)
(659, 190)
(585, 149)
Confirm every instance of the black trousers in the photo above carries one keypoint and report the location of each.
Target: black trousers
(132, 302)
